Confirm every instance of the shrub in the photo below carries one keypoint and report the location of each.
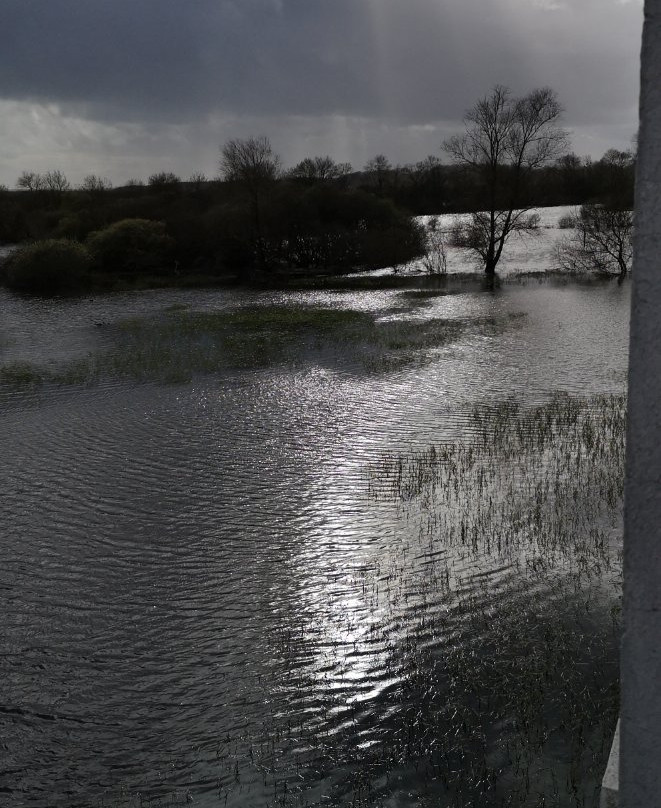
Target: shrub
(602, 242)
(47, 267)
(435, 261)
(567, 221)
(392, 246)
(131, 245)
(459, 233)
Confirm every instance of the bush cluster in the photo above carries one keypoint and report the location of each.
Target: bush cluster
(131, 246)
(223, 229)
(46, 268)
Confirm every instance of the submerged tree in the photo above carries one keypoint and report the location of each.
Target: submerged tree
(505, 140)
(602, 242)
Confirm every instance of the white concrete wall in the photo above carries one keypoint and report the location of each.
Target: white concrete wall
(640, 714)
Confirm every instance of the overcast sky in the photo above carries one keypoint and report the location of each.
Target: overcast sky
(125, 88)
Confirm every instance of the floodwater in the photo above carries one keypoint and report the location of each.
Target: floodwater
(200, 601)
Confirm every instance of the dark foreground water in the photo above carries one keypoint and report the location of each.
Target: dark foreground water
(201, 602)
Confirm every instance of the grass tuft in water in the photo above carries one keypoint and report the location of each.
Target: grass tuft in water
(549, 476)
(523, 708)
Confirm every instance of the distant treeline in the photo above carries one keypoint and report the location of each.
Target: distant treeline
(219, 228)
(318, 216)
(431, 186)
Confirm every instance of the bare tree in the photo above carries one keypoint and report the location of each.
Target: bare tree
(505, 140)
(56, 182)
(618, 158)
(316, 169)
(30, 181)
(164, 181)
(53, 181)
(94, 184)
(435, 261)
(602, 242)
(253, 164)
(378, 168)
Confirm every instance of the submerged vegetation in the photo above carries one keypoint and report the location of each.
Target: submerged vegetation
(176, 344)
(522, 468)
(524, 713)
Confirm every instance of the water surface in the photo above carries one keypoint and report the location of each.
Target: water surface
(201, 600)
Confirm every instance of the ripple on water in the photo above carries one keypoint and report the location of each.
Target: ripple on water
(197, 591)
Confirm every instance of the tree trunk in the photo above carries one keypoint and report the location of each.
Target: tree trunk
(259, 244)
(490, 266)
(491, 259)
(622, 264)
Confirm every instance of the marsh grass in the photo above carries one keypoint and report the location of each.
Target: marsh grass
(176, 344)
(548, 477)
(525, 706)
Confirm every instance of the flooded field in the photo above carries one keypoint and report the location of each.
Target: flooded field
(304, 549)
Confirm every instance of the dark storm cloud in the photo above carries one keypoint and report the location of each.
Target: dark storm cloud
(128, 87)
(172, 59)
(424, 60)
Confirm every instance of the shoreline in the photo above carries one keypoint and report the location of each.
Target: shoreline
(442, 284)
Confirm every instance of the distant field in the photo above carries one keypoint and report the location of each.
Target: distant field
(522, 254)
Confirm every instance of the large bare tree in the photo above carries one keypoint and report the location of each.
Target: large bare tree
(254, 165)
(506, 139)
(251, 161)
